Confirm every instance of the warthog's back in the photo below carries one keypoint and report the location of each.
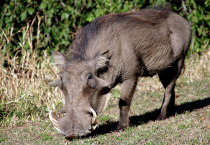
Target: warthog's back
(144, 42)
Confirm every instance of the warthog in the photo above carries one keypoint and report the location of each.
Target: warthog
(119, 48)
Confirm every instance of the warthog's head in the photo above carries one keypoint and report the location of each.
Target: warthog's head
(83, 92)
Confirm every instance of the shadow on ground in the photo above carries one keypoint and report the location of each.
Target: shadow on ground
(150, 116)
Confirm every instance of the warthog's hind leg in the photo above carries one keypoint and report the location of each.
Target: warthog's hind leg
(168, 79)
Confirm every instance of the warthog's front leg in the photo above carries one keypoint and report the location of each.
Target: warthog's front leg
(127, 91)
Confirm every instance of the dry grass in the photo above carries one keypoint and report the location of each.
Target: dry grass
(24, 91)
(198, 67)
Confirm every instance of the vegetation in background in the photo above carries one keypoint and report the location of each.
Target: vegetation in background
(54, 23)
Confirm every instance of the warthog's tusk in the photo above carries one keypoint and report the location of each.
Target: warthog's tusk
(94, 115)
(94, 127)
(53, 120)
(57, 129)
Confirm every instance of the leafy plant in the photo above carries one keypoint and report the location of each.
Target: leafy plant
(54, 23)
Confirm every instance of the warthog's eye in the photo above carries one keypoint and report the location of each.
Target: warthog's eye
(89, 75)
(90, 80)
(61, 84)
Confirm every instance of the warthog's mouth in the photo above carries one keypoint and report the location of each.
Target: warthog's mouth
(74, 134)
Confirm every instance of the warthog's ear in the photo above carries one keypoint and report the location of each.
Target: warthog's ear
(55, 83)
(60, 59)
(102, 62)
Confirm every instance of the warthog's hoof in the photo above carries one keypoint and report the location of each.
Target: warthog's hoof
(121, 126)
(169, 114)
(160, 117)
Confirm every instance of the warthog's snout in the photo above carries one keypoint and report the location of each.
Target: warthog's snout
(75, 127)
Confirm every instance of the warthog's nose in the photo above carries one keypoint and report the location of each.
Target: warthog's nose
(71, 136)
(75, 134)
